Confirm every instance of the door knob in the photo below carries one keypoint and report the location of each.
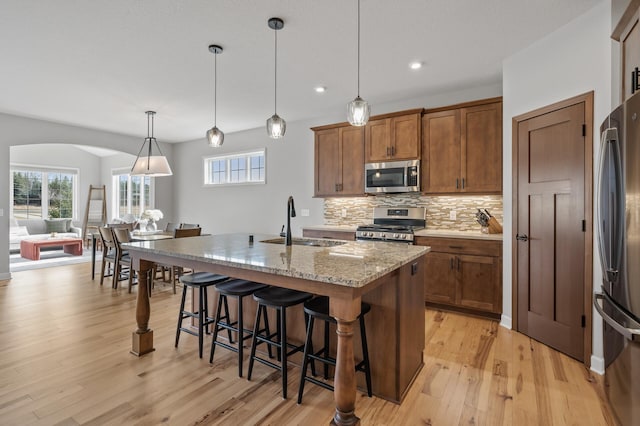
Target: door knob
(522, 237)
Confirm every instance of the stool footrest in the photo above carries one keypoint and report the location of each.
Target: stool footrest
(319, 383)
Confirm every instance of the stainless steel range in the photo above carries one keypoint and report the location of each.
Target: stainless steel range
(393, 224)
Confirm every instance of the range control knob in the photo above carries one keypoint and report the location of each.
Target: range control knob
(396, 235)
(404, 236)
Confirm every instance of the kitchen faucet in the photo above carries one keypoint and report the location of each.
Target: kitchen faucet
(291, 212)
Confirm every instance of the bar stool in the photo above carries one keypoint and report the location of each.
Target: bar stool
(239, 289)
(319, 308)
(280, 299)
(199, 280)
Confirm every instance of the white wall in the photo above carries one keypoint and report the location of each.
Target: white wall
(290, 170)
(17, 131)
(573, 60)
(64, 156)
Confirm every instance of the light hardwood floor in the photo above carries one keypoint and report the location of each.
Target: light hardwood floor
(64, 359)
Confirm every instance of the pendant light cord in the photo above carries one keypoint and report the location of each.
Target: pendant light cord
(358, 48)
(275, 74)
(215, 90)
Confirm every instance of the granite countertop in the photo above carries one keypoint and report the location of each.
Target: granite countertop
(352, 264)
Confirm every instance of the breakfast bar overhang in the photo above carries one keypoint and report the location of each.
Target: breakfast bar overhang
(389, 276)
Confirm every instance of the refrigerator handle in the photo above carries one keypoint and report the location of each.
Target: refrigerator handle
(632, 334)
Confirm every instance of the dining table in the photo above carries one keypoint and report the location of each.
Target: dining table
(390, 276)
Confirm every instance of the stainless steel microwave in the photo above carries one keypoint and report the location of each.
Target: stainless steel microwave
(394, 176)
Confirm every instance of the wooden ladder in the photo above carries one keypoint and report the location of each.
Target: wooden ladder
(95, 215)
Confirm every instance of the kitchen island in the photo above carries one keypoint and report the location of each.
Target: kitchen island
(389, 276)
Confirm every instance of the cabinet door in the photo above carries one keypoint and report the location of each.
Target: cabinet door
(630, 54)
(478, 285)
(439, 281)
(441, 152)
(405, 137)
(481, 152)
(352, 162)
(328, 162)
(377, 140)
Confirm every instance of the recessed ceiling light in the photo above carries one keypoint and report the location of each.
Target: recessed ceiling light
(415, 65)
(320, 89)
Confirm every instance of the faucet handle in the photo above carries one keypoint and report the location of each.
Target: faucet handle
(282, 234)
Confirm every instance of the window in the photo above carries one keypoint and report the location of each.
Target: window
(132, 194)
(239, 168)
(43, 193)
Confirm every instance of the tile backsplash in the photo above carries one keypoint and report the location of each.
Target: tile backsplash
(359, 210)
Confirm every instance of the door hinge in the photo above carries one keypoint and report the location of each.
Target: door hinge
(583, 321)
(584, 225)
(584, 130)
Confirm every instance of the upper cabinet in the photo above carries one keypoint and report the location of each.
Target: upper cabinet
(339, 161)
(462, 149)
(391, 138)
(627, 32)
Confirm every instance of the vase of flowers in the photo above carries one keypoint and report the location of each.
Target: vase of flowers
(151, 216)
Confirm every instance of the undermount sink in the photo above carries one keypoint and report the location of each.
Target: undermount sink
(305, 242)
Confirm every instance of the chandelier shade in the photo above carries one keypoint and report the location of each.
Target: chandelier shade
(358, 110)
(150, 162)
(215, 136)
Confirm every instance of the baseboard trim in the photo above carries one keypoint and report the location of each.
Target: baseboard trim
(597, 364)
(5, 276)
(505, 321)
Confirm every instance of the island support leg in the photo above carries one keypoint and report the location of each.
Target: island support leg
(142, 338)
(345, 312)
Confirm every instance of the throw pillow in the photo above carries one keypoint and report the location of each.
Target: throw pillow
(18, 231)
(56, 225)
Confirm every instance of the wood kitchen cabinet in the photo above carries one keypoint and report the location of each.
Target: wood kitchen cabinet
(331, 234)
(339, 161)
(462, 148)
(464, 274)
(627, 32)
(391, 138)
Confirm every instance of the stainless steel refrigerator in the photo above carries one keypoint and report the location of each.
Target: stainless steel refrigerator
(618, 219)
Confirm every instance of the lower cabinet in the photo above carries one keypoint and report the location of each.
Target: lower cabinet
(464, 274)
(332, 234)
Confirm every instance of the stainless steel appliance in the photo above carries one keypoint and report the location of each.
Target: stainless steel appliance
(618, 219)
(390, 177)
(393, 224)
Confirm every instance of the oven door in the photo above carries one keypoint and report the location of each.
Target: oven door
(396, 176)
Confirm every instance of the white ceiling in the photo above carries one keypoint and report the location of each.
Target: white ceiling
(102, 63)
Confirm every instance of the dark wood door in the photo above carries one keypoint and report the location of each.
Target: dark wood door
(551, 240)
(481, 148)
(441, 151)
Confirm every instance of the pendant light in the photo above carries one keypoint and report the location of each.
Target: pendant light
(215, 135)
(358, 110)
(150, 164)
(276, 126)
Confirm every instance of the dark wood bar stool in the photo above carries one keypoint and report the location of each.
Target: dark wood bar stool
(318, 308)
(279, 299)
(239, 289)
(200, 281)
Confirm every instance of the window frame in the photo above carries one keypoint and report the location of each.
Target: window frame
(208, 160)
(115, 193)
(44, 188)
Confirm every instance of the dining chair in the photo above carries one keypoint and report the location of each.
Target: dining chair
(176, 271)
(109, 253)
(122, 235)
(163, 269)
(187, 232)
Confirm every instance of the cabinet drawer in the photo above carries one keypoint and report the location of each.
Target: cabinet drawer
(334, 235)
(461, 246)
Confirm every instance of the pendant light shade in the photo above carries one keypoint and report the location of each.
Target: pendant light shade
(276, 126)
(148, 162)
(358, 110)
(215, 135)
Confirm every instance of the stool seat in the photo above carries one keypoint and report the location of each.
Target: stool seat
(319, 308)
(202, 278)
(200, 281)
(280, 297)
(238, 287)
